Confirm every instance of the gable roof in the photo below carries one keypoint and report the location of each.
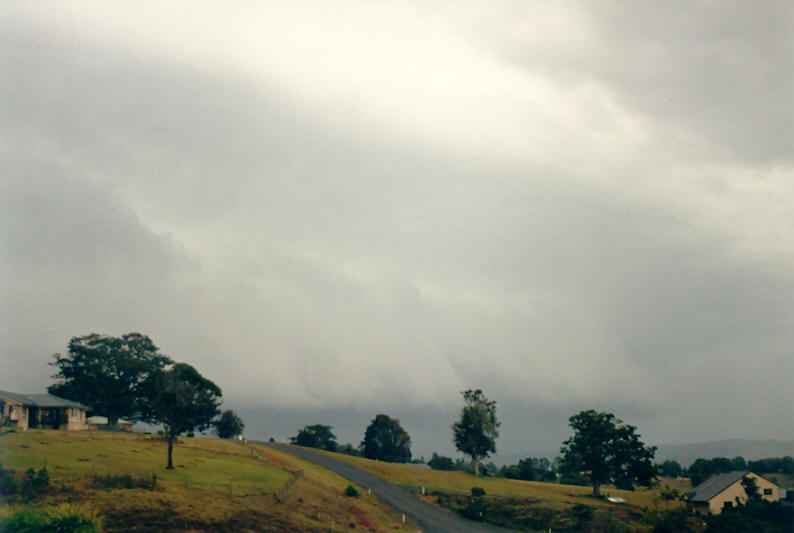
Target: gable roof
(41, 400)
(716, 484)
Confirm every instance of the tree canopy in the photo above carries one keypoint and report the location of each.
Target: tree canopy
(182, 400)
(386, 440)
(229, 425)
(608, 451)
(476, 432)
(316, 436)
(670, 468)
(439, 462)
(107, 373)
(529, 469)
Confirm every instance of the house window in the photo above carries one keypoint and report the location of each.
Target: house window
(727, 505)
(767, 492)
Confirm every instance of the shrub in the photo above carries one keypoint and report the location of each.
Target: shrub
(477, 492)
(34, 484)
(123, 481)
(351, 492)
(61, 519)
(583, 514)
(9, 485)
(348, 449)
(672, 521)
(439, 462)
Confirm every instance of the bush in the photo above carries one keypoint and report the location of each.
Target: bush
(61, 519)
(9, 485)
(476, 509)
(439, 462)
(477, 492)
(123, 481)
(348, 449)
(351, 492)
(34, 484)
(673, 521)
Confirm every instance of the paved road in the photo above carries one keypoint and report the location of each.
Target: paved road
(430, 518)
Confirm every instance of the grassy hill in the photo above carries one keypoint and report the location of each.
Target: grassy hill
(530, 505)
(461, 482)
(230, 486)
(216, 485)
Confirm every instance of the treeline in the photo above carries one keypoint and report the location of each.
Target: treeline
(541, 469)
(702, 469)
(602, 446)
(384, 440)
(527, 469)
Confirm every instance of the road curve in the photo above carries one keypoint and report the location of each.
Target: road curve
(430, 518)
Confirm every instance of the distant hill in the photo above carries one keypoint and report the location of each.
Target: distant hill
(747, 448)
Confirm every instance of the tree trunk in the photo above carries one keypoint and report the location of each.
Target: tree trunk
(476, 462)
(597, 490)
(170, 465)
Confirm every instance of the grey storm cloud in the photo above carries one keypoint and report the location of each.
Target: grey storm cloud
(696, 68)
(551, 205)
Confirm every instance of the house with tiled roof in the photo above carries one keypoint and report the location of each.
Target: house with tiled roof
(24, 411)
(726, 490)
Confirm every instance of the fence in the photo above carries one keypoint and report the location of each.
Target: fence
(281, 494)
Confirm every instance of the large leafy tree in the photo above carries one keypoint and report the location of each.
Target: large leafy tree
(316, 436)
(476, 432)
(107, 373)
(229, 425)
(607, 451)
(182, 400)
(386, 440)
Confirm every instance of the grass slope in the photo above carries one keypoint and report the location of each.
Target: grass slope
(216, 485)
(461, 483)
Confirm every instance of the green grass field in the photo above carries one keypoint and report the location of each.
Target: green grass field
(229, 486)
(216, 485)
(461, 483)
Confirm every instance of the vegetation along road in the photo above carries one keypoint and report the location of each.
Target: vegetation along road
(429, 517)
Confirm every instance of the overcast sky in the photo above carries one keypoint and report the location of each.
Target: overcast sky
(336, 209)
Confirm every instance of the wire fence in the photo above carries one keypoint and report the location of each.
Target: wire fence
(281, 494)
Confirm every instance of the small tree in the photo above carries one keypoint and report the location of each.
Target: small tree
(476, 432)
(182, 400)
(751, 489)
(439, 462)
(607, 451)
(316, 436)
(525, 470)
(670, 469)
(229, 425)
(348, 449)
(386, 440)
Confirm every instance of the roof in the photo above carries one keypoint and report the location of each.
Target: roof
(41, 400)
(714, 485)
